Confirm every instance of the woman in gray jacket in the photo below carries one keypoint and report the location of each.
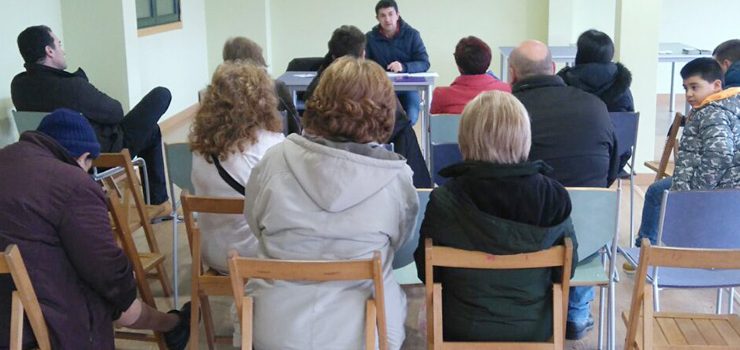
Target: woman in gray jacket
(332, 193)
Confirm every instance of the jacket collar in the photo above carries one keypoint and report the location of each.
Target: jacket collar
(726, 93)
(52, 146)
(402, 26)
(480, 169)
(536, 82)
(35, 68)
(473, 79)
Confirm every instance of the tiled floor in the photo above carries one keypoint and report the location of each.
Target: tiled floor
(679, 300)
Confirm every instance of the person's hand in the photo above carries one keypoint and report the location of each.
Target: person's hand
(395, 67)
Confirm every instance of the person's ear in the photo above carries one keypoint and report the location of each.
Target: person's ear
(48, 50)
(512, 75)
(717, 85)
(84, 161)
(553, 67)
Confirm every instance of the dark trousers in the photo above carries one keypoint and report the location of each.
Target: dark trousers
(142, 137)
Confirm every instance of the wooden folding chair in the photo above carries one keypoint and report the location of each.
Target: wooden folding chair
(242, 269)
(664, 167)
(210, 282)
(647, 329)
(140, 218)
(142, 263)
(24, 301)
(437, 256)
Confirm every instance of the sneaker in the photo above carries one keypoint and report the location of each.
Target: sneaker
(628, 268)
(177, 338)
(578, 330)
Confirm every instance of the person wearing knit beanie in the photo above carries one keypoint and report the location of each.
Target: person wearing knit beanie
(71, 130)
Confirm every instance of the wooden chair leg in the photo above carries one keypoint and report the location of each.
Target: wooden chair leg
(205, 309)
(370, 322)
(194, 322)
(163, 280)
(160, 341)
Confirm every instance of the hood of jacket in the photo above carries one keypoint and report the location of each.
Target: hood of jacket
(608, 80)
(723, 99)
(732, 77)
(339, 175)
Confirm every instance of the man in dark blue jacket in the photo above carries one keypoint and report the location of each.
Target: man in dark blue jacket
(398, 48)
(571, 132)
(728, 56)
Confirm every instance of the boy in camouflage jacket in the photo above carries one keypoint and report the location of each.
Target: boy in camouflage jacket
(708, 154)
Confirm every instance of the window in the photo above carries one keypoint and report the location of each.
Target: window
(151, 13)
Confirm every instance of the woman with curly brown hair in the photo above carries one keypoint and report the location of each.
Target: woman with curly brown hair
(334, 193)
(236, 124)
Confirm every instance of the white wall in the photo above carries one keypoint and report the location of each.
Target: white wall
(18, 15)
(230, 18)
(175, 59)
(590, 14)
(703, 25)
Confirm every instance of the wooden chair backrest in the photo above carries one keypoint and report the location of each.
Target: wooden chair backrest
(438, 256)
(24, 301)
(242, 269)
(689, 258)
(123, 159)
(123, 235)
(671, 146)
(212, 205)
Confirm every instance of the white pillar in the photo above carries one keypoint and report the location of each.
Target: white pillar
(636, 40)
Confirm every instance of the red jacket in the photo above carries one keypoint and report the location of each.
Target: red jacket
(452, 99)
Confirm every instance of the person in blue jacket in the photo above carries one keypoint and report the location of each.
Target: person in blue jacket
(398, 48)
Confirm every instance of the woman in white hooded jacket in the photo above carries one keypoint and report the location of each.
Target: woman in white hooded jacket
(333, 193)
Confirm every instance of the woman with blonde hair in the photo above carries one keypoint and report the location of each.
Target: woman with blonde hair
(334, 193)
(236, 124)
(497, 202)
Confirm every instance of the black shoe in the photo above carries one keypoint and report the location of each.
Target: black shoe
(578, 330)
(177, 338)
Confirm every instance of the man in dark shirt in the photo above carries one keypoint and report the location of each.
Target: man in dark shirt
(572, 132)
(46, 86)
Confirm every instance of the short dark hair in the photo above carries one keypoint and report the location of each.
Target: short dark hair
(728, 50)
(347, 40)
(384, 4)
(706, 68)
(32, 43)
(594, 47)
(472, 55)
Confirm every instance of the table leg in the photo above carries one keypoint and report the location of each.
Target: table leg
(503, 71)
(426, 102)
(671, 100)
(294, 95)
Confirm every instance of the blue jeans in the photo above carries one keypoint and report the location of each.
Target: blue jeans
(410, 101)
(651, 211)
